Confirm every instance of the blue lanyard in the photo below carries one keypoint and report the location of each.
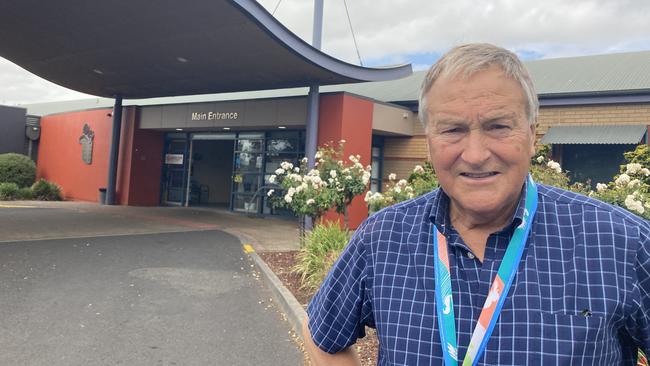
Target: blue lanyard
(496, 297)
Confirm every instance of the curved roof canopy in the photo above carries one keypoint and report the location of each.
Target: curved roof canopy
(144, 48)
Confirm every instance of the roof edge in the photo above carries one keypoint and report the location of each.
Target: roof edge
(315, 56)
(594, 99)
(596, 93)
(584, 134)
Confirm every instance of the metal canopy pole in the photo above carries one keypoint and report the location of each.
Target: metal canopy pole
(313, 99)
(312, 125)
(115, 149)
(317, 34)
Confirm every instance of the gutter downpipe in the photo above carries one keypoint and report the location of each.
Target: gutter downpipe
(115, 148)
(313, 99)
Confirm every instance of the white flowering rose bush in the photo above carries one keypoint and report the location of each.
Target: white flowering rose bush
(347, 175)
(376, 201)
(555, 166)
(549, 172)
(303, 192)
(546, 171)
(421, 180)
(333, 183)
(638, 163)
(629, 190)
(600, 187)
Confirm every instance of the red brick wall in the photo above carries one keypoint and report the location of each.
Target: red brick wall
(146, 167)
(349, 118)
(139, 165)
(59, 154)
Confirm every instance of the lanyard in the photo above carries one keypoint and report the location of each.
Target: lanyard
(496, 297)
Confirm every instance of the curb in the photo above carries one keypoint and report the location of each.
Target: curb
(288, 303)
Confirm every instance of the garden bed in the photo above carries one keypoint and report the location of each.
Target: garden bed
(281, 264)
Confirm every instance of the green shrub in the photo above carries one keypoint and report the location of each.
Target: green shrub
(631, 188)
(8, 191)
(322, 247)
(17, 168)
(640, 155)
(25, 194)
(46, 191)
(543, 174)
(423, 179)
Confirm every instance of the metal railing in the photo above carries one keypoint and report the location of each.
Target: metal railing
(257, 212)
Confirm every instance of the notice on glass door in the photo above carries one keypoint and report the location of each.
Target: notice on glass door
(174, 159)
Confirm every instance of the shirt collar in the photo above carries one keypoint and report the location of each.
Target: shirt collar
(439, 213)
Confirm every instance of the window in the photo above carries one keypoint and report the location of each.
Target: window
(377, 160)
(281, 146)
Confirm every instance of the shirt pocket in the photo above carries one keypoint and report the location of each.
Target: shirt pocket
(573, 339)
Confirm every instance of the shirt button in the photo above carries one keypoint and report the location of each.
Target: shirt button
(470, 255)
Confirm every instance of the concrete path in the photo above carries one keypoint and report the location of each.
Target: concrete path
(31, 220)
(174, 298)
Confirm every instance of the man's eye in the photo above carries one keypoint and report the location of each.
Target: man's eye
(499, 127)
(452, 130)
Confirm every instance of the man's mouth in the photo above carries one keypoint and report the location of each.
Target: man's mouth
(478, 175)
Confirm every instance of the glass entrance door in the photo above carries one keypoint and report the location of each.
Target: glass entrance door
(248, 171)
(174, 172)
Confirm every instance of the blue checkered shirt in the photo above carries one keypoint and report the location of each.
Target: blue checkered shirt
(580, 297)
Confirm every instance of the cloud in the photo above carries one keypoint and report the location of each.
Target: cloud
(18, 86)
(418, 31)
(552, 28)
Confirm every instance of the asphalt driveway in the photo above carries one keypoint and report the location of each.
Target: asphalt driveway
(176, 298)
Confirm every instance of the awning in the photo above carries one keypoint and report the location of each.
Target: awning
(601, 134)
(144, 48)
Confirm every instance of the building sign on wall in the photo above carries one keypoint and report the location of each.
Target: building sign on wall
(174, 159)
(212, 116)
(86, 141)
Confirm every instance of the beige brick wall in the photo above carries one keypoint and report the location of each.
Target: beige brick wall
(417, 128)
(401, 167)
(405, 147)
(610, 114)
(401, 154)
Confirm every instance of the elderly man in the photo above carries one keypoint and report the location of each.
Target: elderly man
(492, 268)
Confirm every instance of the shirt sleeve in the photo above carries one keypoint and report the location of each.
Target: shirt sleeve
(341, 308)
(638, 325)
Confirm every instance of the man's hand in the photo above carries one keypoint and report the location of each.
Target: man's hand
(318, 357)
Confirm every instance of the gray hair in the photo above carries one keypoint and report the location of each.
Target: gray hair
(468, 59)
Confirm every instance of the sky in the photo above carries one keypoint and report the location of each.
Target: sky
(390, 32)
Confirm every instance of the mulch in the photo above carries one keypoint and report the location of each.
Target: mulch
(282, 263)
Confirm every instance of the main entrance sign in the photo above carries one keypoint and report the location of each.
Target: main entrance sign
(210, 116)
(258, 113)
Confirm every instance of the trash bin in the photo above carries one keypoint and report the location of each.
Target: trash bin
(102, 196)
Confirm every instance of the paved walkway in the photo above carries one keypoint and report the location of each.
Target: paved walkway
(34, 220)
(84, 284)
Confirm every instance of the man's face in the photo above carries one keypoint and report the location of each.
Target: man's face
(479, 140)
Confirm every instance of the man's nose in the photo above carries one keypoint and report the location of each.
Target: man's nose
(476, 148)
